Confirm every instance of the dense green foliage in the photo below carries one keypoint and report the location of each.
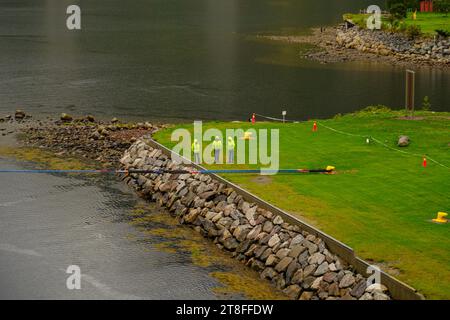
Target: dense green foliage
(398, 11)
(442, 6)
(407, 4)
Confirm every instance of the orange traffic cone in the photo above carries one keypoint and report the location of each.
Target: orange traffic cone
(315, 126)
(424, 163)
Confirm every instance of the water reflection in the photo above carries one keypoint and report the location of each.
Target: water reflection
(126, 248)
(180, 60)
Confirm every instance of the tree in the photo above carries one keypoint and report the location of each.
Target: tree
(398, 11)
(409, 4)
(390, 3)
(442, 6)
(442, 33)
(412, 4)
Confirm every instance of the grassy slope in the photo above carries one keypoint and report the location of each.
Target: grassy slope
(380, 203)
(428, 22)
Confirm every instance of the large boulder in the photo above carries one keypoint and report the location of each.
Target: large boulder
(403, 141)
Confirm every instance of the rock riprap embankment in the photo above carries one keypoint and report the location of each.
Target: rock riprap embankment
(293, 260)
(338, 44)
(421, 50)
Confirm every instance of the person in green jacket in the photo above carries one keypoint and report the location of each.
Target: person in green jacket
(196, 150)
(230, 147)
(217, 145)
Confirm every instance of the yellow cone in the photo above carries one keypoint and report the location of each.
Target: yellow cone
(441, 217)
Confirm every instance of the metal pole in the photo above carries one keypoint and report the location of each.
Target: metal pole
(410, 92)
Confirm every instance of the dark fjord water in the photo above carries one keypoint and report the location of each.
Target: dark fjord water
(125, 248)
(184, 60)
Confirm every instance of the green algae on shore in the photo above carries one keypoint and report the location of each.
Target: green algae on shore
(43, 158)
(172, 237)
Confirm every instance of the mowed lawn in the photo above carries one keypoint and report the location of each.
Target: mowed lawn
(380, 202)
(428, 22)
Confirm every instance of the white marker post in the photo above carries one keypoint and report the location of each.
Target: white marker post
(284, 116)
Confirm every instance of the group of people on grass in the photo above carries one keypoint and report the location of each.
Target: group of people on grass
(217, 146)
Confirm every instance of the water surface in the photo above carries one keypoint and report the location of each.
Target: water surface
(184, 60)
(125, 248)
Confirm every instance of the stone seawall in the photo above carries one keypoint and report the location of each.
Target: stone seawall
(338, 44)
(420, 50)
(292, 259)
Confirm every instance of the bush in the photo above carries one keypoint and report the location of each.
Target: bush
(426, 105)
(390, 3)
(442, 33)
(409, 4)
(395, 25)
(402, 27)
(398, 11)
(412, 4)
(413, 31)
(376, 109)
(442, 6)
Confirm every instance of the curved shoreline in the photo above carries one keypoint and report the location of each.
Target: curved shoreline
(329, 277)
(73, 137)
(59, 145)
(337, 44)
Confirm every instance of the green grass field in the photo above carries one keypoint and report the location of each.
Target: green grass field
(430, 22)
(427, 21)
(380, 202)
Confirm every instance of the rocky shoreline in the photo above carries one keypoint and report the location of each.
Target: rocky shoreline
(85, 137)
(339, 44)
(293, 260)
